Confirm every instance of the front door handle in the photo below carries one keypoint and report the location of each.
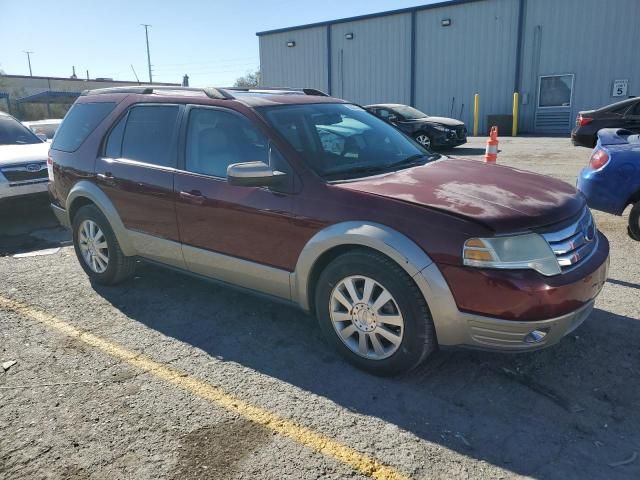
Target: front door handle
(194, 196)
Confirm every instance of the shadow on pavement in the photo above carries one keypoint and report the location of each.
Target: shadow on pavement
(27, 224)
(565, 412)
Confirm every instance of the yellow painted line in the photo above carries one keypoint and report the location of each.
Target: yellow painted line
(315, 441)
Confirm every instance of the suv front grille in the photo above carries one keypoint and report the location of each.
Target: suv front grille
(461, 132)
(25, 173)
(574, 243)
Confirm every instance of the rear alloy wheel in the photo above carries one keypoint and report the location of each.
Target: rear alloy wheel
(97, 248)
(634, 222)
(373, 313)
(423, 139)
(93, 246)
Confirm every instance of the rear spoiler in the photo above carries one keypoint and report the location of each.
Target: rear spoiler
(616, 136)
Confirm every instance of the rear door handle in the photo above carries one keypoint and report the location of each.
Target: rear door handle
(194, 196)
(107, 178)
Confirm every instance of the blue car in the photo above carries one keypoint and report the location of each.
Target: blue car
(611, 182)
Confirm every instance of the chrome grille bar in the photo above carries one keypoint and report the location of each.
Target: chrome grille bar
(574, 243)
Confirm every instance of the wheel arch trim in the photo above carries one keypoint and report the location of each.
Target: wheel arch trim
(395, 245)
(90, 191)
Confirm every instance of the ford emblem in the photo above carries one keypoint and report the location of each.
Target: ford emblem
(589, 233)
(33, 167)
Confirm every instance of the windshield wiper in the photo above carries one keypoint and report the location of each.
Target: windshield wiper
(356, 170)
(413, 159)
(374, 169)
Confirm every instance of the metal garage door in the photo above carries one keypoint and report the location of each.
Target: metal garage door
(553, 110)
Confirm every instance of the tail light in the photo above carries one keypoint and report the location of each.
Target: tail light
(582, 121)
(599, 159)
(50, 168)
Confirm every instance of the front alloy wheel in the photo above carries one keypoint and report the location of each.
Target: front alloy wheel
(372, 312)
(424, 140)
(366, 317)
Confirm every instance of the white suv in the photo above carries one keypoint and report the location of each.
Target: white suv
(23, 159)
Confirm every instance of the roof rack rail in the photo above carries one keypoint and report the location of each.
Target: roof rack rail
(304, 91)
(211, 92)
(216, 93)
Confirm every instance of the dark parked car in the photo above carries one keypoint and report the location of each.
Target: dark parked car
(624, 114)
(315, 201)
(611, 181)
(430, 132)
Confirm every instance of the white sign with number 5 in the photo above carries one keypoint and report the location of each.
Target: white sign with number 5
(620, 88)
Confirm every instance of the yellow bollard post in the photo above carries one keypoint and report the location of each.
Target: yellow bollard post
(514, 126)
(476, 113)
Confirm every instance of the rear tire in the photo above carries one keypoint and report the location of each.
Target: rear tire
(97, 248)
(634, 222)
(398, 334)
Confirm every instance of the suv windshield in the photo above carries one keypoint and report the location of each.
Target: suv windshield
(409, 113)
(341, 141)
(13, 132)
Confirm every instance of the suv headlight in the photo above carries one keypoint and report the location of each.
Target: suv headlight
(515, 252)
(441, 128)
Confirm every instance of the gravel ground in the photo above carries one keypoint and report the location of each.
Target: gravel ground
(69, 410)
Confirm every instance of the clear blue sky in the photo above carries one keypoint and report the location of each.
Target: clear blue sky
(213, 41)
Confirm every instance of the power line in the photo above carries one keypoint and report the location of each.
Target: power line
(203, 68)
(214, 62)
(190, 71)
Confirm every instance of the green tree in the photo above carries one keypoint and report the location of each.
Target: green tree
(4, 103)
(251, 79)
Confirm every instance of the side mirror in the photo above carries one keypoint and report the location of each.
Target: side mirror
(42, 136)
(254, 174)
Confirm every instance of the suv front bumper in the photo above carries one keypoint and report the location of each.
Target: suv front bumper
(8, 190)
(496, 334)
(464, 329)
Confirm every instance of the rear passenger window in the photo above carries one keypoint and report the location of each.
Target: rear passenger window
(80, 121)
(149, 134)
(113, 148)
(216, 139)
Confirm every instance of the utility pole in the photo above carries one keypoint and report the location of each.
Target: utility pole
(146, 34)
(29, 60)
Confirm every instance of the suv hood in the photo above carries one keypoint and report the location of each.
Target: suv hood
(502, 198)
(35, 152)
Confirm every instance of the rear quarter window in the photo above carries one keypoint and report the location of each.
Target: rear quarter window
(80, 121)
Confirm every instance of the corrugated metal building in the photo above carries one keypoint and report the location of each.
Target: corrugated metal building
(562, 56)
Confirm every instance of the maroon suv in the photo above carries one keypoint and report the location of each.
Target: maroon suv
(313, 200)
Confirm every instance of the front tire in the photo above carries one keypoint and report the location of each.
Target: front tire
(97, 248)
(424, 140)
(634, 222)
(373, 313)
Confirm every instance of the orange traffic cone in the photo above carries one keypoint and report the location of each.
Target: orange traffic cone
(491, 154)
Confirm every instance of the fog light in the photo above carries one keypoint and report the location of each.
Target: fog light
(536, 336)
